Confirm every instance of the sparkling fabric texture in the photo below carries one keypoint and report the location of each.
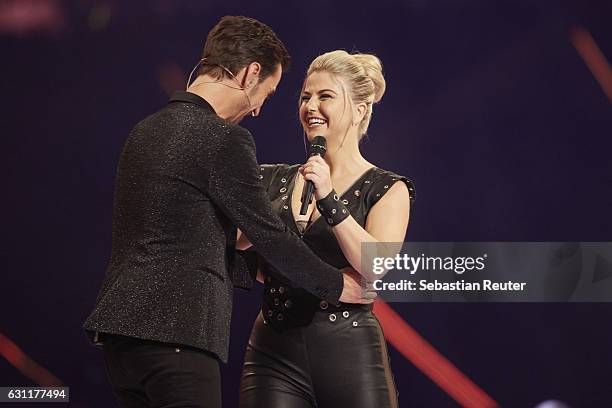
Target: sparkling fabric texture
(186, 178)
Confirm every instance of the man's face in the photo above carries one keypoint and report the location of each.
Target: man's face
(263, 90)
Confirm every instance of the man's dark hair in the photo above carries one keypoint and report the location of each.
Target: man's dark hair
(237, 41)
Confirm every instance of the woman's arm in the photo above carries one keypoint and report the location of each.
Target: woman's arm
(387, 220)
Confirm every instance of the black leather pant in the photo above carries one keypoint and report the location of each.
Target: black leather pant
(339, 359)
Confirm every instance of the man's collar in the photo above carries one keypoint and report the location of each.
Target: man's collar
(188, 97)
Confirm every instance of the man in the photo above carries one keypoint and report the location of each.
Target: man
(187, 177)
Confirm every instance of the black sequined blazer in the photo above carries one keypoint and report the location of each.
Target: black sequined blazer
(185, 180)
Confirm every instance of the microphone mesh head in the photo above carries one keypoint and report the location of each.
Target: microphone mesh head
(318, 146)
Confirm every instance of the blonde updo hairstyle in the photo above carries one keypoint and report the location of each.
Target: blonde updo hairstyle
(361, 72)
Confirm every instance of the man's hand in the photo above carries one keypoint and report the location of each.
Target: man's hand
(355, 288)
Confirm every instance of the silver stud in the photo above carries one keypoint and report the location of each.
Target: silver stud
(345, 314)
(284, 197)
(336, 198)
(288, 303)
(386, 186)
(344, 211)
(355, 324)
(357, 193)
(332, 317)
(281, 290)
(367, 181)
(280, 316)
(265, 321)
(323, 305)
(276, 302)
(345, 202)
(285, 207)
(377, 195)
(284, 180)
(282, 190)
(261, 169)
(330, 221)
(272, 290)
(270, 313)
(333, 211)
(261, 176)
(177, 349)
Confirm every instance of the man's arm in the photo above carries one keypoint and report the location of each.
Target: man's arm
(235, 187)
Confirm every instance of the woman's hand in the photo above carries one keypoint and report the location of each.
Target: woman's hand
(356, 289)
(242, 242)
(317, 171)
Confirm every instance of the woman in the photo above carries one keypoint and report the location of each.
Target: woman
(304, 352)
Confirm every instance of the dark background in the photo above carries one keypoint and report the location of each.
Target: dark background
(489, 109)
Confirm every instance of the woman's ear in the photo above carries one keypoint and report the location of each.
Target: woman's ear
(361, 110)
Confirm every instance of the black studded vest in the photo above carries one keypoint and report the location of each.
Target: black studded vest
(285, 306)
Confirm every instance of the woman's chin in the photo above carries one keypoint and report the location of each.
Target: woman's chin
(318, 131)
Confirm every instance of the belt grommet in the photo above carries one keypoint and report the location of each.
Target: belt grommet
(280, 317)
(276, 301)
(332, 317)
(270, 313)
(323, 305)
(345, 314)
(355, 324)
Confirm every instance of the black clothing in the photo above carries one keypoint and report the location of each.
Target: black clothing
(186, 178)
(326, 364)
(304, 352)
(358, 198)
(147, 374)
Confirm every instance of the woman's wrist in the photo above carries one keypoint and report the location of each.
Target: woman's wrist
(321, 193)
(332, 209)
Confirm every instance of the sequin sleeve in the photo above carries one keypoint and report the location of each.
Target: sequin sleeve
(236, 188)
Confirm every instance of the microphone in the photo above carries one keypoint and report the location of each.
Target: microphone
(318, 147)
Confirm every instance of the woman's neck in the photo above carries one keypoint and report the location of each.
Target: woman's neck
(346, 160)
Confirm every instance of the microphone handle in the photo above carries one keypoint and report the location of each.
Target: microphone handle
(306, 197)
(307, 192)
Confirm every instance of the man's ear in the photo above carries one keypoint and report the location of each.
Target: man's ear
(253, 73)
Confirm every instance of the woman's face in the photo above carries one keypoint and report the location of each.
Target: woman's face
(324, 109)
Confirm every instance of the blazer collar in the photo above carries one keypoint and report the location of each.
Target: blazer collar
(188, 97)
